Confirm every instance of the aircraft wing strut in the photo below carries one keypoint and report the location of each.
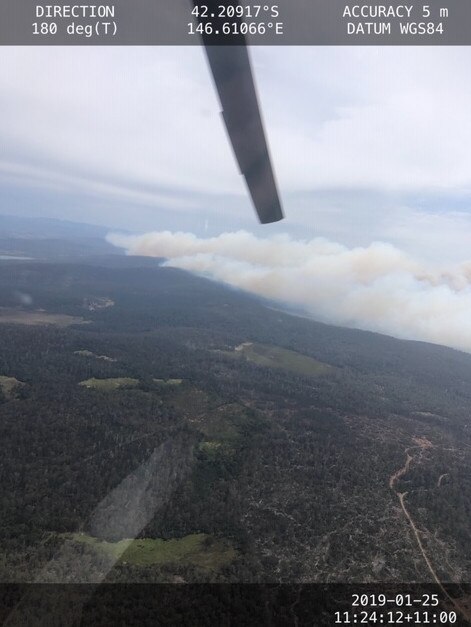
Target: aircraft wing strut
(232, 73)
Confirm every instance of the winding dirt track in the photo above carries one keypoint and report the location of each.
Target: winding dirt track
(422, 444)
(402, 471)
(440, 478)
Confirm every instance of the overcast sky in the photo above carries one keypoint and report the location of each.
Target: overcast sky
(371, 147)
(368, 143)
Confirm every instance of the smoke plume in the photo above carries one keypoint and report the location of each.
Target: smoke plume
(377, 287)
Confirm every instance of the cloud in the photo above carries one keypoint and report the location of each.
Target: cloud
(142, 126)
(376, 287)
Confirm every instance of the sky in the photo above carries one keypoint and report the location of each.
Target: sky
(371, 148)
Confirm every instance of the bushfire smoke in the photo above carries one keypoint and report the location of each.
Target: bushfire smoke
(377, 287)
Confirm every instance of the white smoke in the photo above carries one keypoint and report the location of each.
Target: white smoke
(377, 287)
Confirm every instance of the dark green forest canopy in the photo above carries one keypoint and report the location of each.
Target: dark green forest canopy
(288, 451)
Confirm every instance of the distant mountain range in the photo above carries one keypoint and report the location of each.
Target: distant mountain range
(15, 226)
(46, 238)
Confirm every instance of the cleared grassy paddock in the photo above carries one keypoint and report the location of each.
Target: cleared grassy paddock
(86, 353)
(19, 316)
(199, 549)
(9, 386)
(168, 382)
(277, 357)
(109, 385)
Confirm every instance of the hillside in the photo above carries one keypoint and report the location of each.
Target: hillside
(237, 443)
(296, 467)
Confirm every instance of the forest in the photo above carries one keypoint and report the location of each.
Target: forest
(138, 445)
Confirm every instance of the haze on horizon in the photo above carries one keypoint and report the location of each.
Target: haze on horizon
(370, 147)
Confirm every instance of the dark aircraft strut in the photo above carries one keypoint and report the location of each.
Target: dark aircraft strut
(232, 73)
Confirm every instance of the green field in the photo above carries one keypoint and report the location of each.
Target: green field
(18, 316)
(222, 423)
(186, 398)
(210, 446)
(169, 382)
(85, 353)
(109, 385)
(277, 357)
(9, 386)
(199, 550)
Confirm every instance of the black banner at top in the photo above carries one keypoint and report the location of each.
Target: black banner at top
(225, 22)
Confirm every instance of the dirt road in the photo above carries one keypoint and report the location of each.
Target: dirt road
(421, 444)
